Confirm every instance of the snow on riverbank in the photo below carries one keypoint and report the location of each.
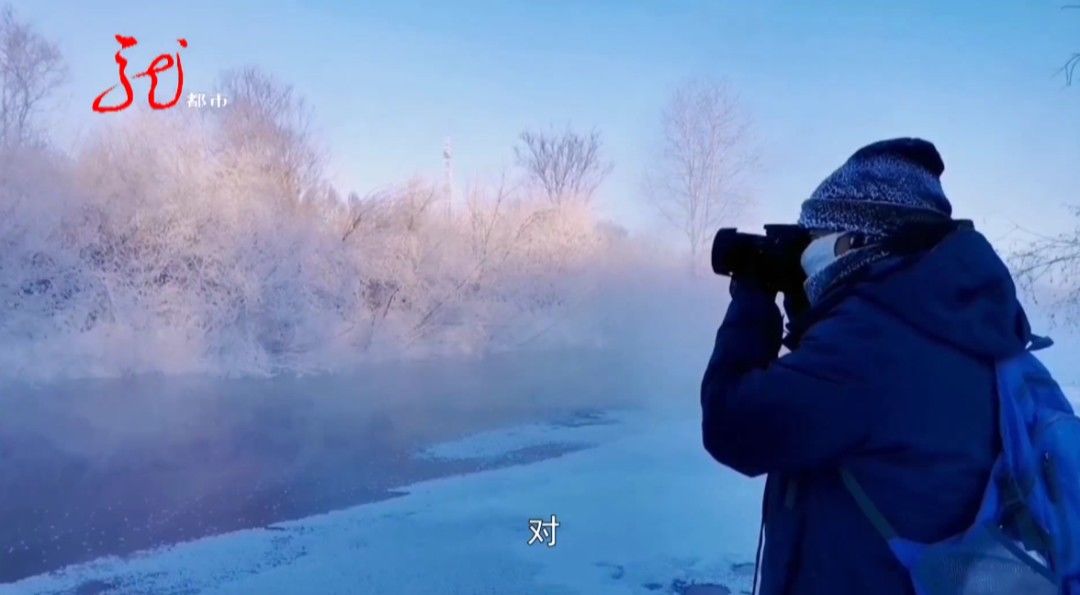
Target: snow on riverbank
(642, 511)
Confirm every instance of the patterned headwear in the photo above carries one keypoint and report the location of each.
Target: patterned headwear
(881, 187)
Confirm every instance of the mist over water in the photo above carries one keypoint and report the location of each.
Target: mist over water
(114, 465)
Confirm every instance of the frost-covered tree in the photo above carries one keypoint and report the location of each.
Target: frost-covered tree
(268, 126)
(473, 282)
(30, 69)
(564, 165)
(188, 241)
(1048, 268)
(694, 182)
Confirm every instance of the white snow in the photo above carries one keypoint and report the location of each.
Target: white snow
(491, 445)
(644, 508)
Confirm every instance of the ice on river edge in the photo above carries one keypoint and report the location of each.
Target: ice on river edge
(641, 507)
(643, 510)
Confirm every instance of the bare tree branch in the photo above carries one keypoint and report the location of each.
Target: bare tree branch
(1049, 267)
(30, 69)
(703, 156)
(1073, 63)
(565, 165)
(1070, 68)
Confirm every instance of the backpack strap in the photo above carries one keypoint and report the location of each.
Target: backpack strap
(1016, 514)
(757, 558)
(1017, 517)
(1032, 536)
(869, 509)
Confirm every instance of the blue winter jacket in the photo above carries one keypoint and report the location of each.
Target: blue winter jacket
(890, 376)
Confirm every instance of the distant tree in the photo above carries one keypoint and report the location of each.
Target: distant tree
(30, 69)
(703, 155)
(268, 121)
(565, 165)
(1049, 266)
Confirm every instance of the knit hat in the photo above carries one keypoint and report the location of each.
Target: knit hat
(881, 187)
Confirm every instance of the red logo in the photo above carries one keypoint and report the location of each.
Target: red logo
(160, 64)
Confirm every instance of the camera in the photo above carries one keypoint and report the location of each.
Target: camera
(772, 258)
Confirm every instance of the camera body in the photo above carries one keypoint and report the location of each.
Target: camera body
(772, 259)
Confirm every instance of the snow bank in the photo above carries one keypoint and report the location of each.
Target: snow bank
(643, 511)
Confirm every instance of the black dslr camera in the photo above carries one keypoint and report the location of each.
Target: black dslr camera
(772, 259)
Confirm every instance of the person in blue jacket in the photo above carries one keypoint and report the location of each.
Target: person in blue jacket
(889, 375)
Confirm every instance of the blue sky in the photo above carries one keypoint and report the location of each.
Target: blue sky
(390, 80)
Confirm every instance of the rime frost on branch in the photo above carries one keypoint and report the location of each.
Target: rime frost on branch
(164, 245)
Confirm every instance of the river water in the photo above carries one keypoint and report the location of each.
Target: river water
(109, 467)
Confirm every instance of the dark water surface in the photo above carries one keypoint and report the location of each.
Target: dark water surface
(108, 467)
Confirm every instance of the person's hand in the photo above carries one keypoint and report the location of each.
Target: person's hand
(796, 304)
(746, 286)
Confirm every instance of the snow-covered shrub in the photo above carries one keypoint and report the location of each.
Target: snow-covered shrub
(1047, 268)
(480, 278)
(164, 246)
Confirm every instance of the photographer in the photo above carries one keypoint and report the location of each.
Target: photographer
(890, 375)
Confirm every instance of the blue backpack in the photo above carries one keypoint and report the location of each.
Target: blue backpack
(1026, 535)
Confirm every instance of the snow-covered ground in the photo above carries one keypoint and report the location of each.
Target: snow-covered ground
(642, 509)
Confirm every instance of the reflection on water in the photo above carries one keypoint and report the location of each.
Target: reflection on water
(103, 467)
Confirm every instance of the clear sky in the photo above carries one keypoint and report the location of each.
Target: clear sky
(390, 80)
